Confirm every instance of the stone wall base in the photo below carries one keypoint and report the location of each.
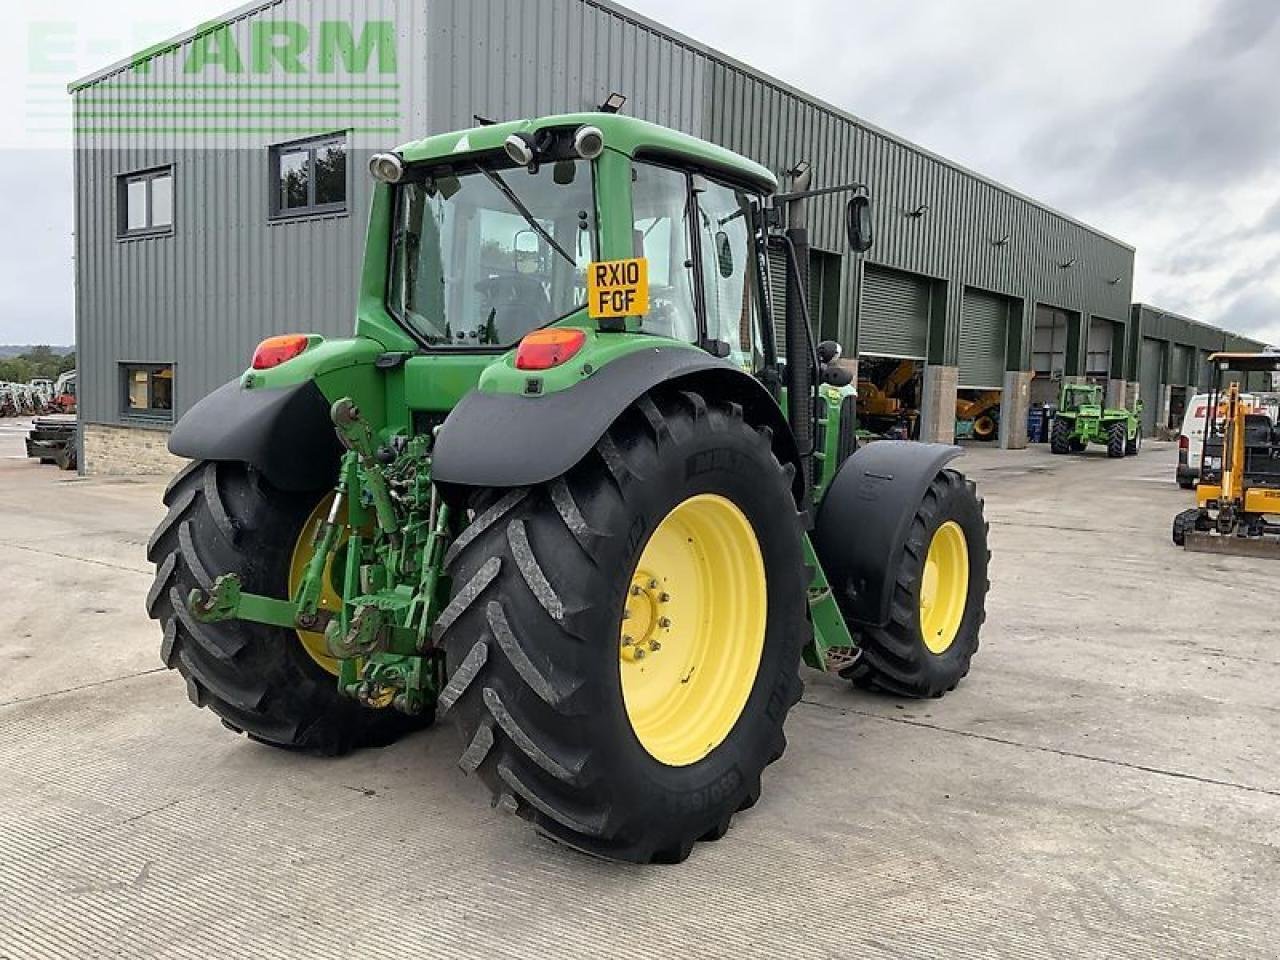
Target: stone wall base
(128, 452)
(1015, 407)
(938, 405)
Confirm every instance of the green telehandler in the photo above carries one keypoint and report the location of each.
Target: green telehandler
(1083, 418)
(561, 489)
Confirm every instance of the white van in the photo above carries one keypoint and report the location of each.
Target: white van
(1191, 442)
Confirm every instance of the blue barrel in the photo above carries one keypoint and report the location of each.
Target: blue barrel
(1035, 425)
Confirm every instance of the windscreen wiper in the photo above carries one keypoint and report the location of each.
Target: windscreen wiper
(516, 202)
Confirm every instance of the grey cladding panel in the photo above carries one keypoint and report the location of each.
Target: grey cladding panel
(895, 314)
(984, 339)
(1151, 381)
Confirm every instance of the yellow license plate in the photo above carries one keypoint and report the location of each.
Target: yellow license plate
(618, 289)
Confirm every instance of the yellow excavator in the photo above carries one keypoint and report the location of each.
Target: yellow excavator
(1238, 496)
(881, 407)
(983, 411)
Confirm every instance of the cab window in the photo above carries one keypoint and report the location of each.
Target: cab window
(730, 284)
(662, 210)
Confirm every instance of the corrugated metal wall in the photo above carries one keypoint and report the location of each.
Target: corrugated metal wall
(1189, 344)
(228, 276)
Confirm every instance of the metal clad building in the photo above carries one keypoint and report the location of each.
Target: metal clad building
(197, 135)
(1172, 353)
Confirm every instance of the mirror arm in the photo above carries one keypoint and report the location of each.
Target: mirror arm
(822, 192)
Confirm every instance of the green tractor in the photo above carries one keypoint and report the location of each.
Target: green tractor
(560, 488)
(1083, 418)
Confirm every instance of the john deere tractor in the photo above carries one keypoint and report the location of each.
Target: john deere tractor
(1083, 418)
(561, 489)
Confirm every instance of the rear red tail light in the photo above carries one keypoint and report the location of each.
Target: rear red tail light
(1184, 443)
(271, 353)
(554, 347)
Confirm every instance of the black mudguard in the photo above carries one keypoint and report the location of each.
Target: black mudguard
(865, 518)
(502, 440)
(287, 434)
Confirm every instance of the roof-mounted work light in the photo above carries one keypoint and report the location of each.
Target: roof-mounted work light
(386, 167)
(614, 104)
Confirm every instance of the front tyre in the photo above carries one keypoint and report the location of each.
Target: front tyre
(1117, 441)
(1060, 437)
(1134, 447)
(261, 681)
(624, 642)
(939, 603)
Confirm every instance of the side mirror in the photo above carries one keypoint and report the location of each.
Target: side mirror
(858, 221)
(724, 253)
(527, 253)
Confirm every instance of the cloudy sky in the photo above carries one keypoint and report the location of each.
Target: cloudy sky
(1158, 122)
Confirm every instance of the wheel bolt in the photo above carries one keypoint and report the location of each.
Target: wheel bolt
(639, 653)
(628, 641)
(664, 598)
(654, 646)
(653, 584)
(636, 590)
(665, 623)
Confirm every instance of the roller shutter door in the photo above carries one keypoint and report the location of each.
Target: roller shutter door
(1150, 381)
(1183, 365)
(895, 314)
(984, 338)
(1098, 355)
(778, 298)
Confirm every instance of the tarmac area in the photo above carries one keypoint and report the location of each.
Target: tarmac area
(1105, 784)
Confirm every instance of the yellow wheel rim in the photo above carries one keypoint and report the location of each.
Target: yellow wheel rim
(984, 427)
(693, 630)
(330, 598)
(944, 588)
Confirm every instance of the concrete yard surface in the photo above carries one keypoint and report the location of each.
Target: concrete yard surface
(1105, 784)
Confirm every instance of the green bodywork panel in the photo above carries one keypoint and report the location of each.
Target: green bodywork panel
(389, 530)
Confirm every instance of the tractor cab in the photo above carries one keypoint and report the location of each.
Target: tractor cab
(1080, 400)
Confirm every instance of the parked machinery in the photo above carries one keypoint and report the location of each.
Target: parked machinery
(558, 499)
(979, 416)
(64, 393)
(888, 406)
(1083, 418)
(53, 440)
(1238, 497)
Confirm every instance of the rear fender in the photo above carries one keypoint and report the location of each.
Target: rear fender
(502, 440)
(285, 433)
(865, 519)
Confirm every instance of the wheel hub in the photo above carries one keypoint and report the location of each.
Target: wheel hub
(944, 588)
(692, 631)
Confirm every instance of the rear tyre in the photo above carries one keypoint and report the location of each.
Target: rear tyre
(1134, 447)
(260, 680)
(682, 517)
(939, 603)
(1060, 437)
(1117, 441)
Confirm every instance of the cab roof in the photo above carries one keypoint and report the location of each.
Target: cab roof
(1248, 362)
(625, 134)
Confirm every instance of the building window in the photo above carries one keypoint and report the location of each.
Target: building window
(145, 203)
(148, 390)
(309, 177)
